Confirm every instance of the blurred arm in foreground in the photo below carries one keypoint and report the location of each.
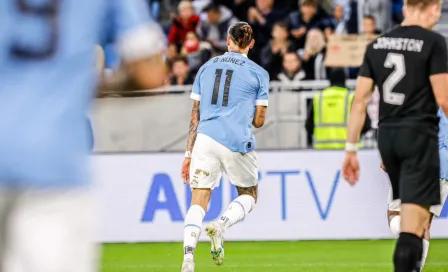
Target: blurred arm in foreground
(141, 45)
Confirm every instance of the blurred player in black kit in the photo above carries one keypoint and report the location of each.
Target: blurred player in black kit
(409, 66)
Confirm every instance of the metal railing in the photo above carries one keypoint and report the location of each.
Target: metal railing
(279, 93)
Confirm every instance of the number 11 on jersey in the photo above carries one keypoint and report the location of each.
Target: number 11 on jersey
(225, 99)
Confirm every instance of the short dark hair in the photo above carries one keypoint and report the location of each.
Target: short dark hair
(282, 24)
(241, 34)
(421, 3)
(292, 52)
(212, 7)
(308, 3)
(179, 59)
(337, 76)
(370, 17)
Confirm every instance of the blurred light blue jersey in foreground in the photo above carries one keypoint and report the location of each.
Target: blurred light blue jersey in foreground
(443, 144)
(47, 82)
(228, 88)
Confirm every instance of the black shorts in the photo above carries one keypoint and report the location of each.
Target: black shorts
(411, 158)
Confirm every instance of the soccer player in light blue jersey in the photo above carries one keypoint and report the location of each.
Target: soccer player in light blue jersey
(230, 95)
(47, 81)
(394, 205)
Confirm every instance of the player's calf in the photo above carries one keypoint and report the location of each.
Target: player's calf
(409, 249)
(414, 219)
(394, 225)
(240, 206)
(193, 221)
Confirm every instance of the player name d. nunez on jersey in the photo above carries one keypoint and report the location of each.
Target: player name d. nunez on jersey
(230, 59)
(402, 44)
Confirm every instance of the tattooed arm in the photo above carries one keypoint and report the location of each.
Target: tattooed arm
(193, 126)
(259, 116)
(194, 123)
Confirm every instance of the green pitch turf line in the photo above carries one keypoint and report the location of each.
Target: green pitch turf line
(303, 256)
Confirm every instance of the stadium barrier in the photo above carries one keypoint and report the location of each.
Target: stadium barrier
(160, 122)
(302, 196)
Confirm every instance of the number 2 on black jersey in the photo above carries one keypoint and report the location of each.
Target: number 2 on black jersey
(47, 12)
(225, 99)
(396, 61)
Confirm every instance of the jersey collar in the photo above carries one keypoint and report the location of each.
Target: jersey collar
(244, 55)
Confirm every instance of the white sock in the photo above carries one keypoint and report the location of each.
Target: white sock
(394, 225)
(192, 230)
(238, 209)
(425, 253)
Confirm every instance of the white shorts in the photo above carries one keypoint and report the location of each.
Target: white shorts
(46, 231)
(210, 159)
(394, 205)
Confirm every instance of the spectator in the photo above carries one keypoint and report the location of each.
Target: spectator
(369, 29)
(287, 6)
(273, 52)
(345, 4)
(369, 26)
(187, 21)
(262, 18)
(181, 72)
(335, 24)
(381, 10)
(397, 11)
(200, 5)
(328, 114)
(313, 55)
(239, 7)
(326, 6)
(300, 22)
(196, 52)
(292, 69)
(214, 28)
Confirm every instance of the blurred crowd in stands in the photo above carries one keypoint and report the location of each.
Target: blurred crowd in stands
(290, 35)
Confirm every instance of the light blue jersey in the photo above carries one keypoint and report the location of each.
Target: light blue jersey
(228, 88)
(443, 144)
(47, 81)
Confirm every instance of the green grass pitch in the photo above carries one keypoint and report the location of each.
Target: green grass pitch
(303, 256)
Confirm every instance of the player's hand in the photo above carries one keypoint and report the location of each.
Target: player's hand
(306, 56)
(302, 31)
(383, 167)
(350, 168)
(296, 33)
(185, 172)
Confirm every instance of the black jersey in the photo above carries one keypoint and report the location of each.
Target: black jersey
(400, 63)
